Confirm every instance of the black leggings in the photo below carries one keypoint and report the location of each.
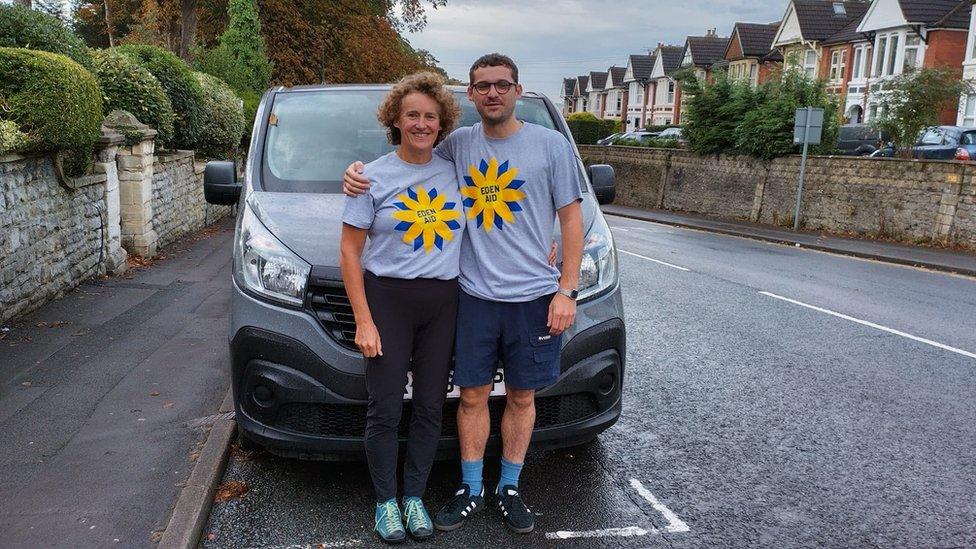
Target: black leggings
(416, 319)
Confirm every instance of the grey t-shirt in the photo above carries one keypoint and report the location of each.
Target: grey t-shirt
(511, 189)
(414, 216)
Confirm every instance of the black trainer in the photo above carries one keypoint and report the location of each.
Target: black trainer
(453, 514)
(517, 516)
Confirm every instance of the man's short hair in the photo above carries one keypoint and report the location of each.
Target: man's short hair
(494, 60)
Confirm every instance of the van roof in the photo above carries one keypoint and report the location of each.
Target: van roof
(325, 87)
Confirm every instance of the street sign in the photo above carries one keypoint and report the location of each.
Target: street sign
(808, 125)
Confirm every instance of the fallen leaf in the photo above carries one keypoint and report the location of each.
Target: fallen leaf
(230, 490)
(167, 405)
(154, 394)
(27, 384)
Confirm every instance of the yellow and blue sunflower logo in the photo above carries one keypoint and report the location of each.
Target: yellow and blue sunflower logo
(491, 194)
(426, 219)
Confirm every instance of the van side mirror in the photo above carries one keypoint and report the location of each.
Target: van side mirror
(604, 182)
(220, 184)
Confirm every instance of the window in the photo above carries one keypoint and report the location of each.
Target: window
(620, 99)
(880, 56)
(838, 61)
(753, 69)
(861, 60)
(839, 8)
(931, 136)
(969, 112)
(810, 64)
(670, 92)
(872, 112)
(912, 46)
(892, 53)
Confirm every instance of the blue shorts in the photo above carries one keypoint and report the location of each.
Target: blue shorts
(513, 333)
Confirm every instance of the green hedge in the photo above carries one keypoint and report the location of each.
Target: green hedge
(184, 92)
(127, 86)
(21, 27)
(224, 124)
(54, 101)
(651, 144)
(11, 138)
(588, 129)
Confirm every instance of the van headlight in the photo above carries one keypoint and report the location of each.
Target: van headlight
(598, 270)
(264, 266)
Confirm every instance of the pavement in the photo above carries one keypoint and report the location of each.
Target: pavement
(105, 396)
(775, 396)
(921, 256)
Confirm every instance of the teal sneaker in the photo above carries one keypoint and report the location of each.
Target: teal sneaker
(389, 525)
(418, 521)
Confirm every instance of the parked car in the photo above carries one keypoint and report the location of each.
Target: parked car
(673, 133)
(638, 135)
(297, 376)
(860, 139)
(609, 139)
(940, 143)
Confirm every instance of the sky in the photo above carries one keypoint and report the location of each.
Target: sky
(550, 40)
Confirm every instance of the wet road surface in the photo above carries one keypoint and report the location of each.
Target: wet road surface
(774, 397)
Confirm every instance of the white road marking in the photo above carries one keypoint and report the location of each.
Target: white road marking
(873, 325)
(675, 525)
(665, 263)
(628, 532)
(619, 229)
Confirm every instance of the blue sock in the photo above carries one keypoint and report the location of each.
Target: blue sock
(510, 474)
(471, 475)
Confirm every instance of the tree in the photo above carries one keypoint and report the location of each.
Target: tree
(713, 112)
(913, 100)
(240, 59)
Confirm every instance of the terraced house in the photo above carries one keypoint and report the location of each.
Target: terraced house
(750, 54)
(806, 25)
(639, 90)
(595, 93)
(566, 94)
(906, 34)
(579, 92)
(667, 95)
(616, 94)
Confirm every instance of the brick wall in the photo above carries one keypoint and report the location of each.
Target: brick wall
(908, 199)
(946, 49)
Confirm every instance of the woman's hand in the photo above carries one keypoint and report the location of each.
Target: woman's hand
(368, 340)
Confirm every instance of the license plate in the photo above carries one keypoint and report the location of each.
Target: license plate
(453, 391)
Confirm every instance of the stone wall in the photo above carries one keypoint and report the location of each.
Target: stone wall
(908, 199)
(56, 232)
(51, 237)
(177, 197)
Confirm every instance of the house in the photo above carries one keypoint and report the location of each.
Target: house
(967, 103)
(566, 93)
(579, 92)
(806, 24)
(845, 69)
(701, 52)
(750, 52)
(639, 90)
(616, 94)
(907, 34)
(595, 93)
(667, 97)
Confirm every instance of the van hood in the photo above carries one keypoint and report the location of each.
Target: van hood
(309, 224)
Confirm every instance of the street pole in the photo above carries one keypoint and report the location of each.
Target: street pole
(803, 167)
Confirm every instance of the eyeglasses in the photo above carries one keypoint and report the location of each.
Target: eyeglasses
(502, 87)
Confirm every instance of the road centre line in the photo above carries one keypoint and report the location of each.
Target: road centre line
(665, 263)
(873, 325)
(619, 229)
(675, 524)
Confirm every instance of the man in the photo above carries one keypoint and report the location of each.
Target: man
(514, 306)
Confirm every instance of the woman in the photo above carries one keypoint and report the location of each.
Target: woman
(405, 303)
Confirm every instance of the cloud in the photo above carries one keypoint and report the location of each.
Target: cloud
(562, 38)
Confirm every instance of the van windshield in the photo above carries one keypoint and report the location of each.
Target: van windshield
(314, 135)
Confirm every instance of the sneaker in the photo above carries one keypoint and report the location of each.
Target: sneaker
(517, 516)
(417, 519)
(389, 525)
(453, 514)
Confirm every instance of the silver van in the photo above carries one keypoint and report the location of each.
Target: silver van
(298, 379)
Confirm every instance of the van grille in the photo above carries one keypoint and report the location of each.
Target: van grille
(329, 303)
(349, 420)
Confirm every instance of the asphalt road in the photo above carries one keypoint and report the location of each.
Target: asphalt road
(101, 398)
(775, 397)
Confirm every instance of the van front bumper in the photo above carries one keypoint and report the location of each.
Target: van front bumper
(298, 393)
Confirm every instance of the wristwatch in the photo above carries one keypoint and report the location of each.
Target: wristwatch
(572, 294)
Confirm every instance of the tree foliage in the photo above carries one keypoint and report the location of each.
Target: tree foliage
(240, 58)
(224, 124)
(127, 86)
(913, 100)
(21, 27)
(714, 112)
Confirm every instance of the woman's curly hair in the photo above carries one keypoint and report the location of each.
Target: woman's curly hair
(429, 84)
